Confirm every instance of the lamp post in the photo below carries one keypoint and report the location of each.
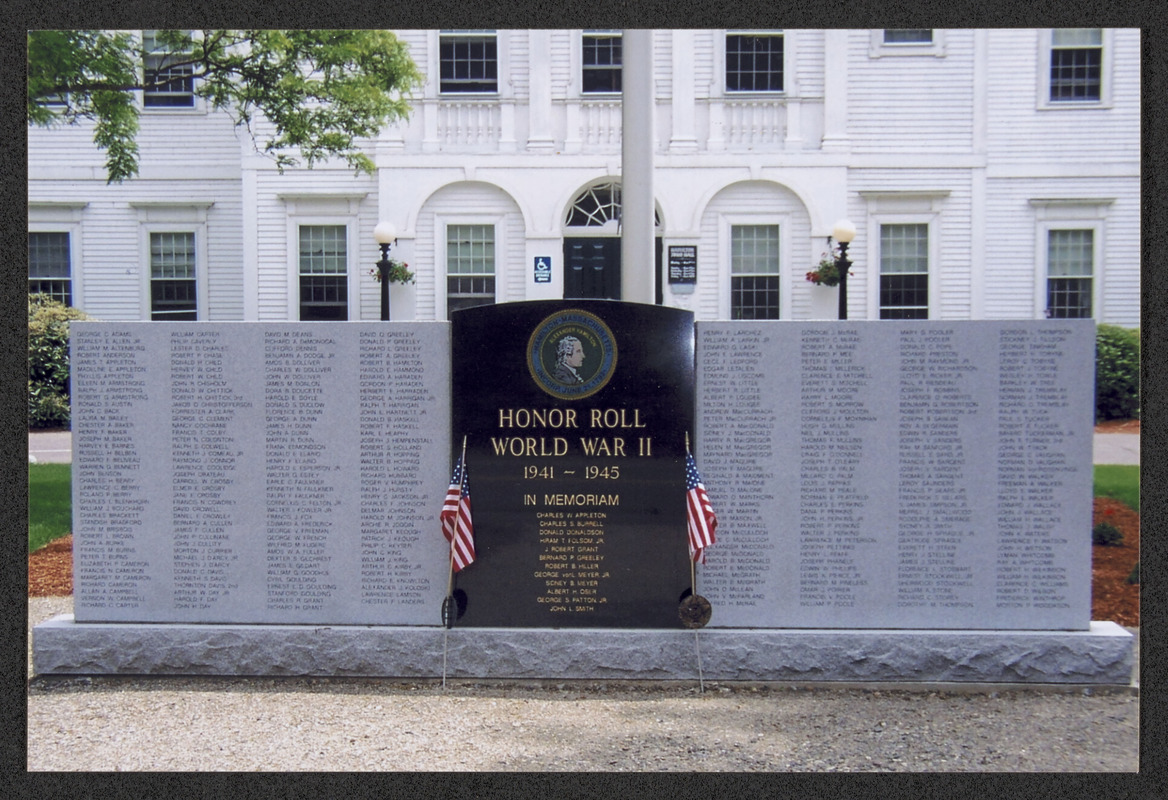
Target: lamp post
(385, 234)
(843, 232)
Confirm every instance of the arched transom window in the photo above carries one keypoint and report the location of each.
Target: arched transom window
(597, 206)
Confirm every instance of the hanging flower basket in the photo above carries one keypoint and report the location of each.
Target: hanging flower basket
(399, 272)
(826, 273)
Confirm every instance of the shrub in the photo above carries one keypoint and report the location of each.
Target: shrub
(48, 360)
(1106, 534)
(1117, 373)
(1135, 574)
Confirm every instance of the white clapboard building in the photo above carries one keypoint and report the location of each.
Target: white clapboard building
(990, 174)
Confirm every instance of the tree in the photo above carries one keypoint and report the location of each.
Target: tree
(318, 92)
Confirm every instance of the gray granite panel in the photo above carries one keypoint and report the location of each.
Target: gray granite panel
(260, 472)
(1102, 655)
(897, 474)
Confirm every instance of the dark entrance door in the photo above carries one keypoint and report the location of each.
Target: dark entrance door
(592, 268)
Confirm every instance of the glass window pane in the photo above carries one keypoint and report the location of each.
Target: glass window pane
(1068, 298)
(470, 249)
(904, 248)
(49, 270)
(323, 250)
(601, 62)
(1077, 37)
(754, 63)
(908, 36)
(1070, 253)
(1075, 74)
(754, 297)
(172, 255)
(754, 250)
(468, 63)
(173, 293)
(48, 255)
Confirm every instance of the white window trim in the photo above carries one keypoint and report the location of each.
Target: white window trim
(725, 275)
(440, 236)
(502, 65)
(62, 218)
(906, 207)
(197, 108)
(173, 218)
(1069, 214)
(1044, 103)
(352, 276)
(878, 48)
(577, 53)
(342, 208)
(201, 294)
(932, 221)
(788, 89)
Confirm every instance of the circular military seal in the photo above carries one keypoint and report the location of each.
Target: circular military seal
(695, 611)
(571, 354)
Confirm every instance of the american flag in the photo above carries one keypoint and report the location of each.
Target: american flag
(699, 512)
(457, 526)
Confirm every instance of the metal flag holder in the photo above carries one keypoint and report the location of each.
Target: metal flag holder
(695, 611)
(450, 603)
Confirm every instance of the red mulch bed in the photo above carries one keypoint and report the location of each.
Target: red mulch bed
(1112, 597)
(50, 569)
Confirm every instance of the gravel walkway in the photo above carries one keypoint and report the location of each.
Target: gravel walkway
(297, 724)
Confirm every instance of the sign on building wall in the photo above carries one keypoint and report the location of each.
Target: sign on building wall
(683, 265)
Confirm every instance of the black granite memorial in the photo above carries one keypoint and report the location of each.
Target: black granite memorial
(575, 416)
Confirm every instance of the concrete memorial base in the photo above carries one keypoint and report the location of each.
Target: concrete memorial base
(1102, 655)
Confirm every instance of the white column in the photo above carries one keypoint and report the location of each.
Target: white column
(835, 90)
(539, 137)
(637, 148)
(684, 139)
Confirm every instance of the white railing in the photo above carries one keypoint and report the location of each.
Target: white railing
(469, 122)
(747, 123)
(600, 123)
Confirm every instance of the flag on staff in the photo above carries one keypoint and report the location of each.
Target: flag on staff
(699, 512)
(457, 526)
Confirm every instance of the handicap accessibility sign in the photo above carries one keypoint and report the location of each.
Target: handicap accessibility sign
(543, 269)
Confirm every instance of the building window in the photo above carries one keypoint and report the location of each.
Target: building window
(908, 36)
(168, 84)
(470, 266)
(596, 206)
(1076, 65)
(324, 279)
(601, 62)
(904, 271)
(468, 62)
(49, 270)
(754, 272)
(754, 62)
(1069, 269)
(172, 277)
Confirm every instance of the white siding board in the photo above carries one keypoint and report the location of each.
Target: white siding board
(1014, 248)
(1022, 133)
(920, 104)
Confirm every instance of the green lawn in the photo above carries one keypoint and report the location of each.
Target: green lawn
(1119, 481)
(50, 503)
